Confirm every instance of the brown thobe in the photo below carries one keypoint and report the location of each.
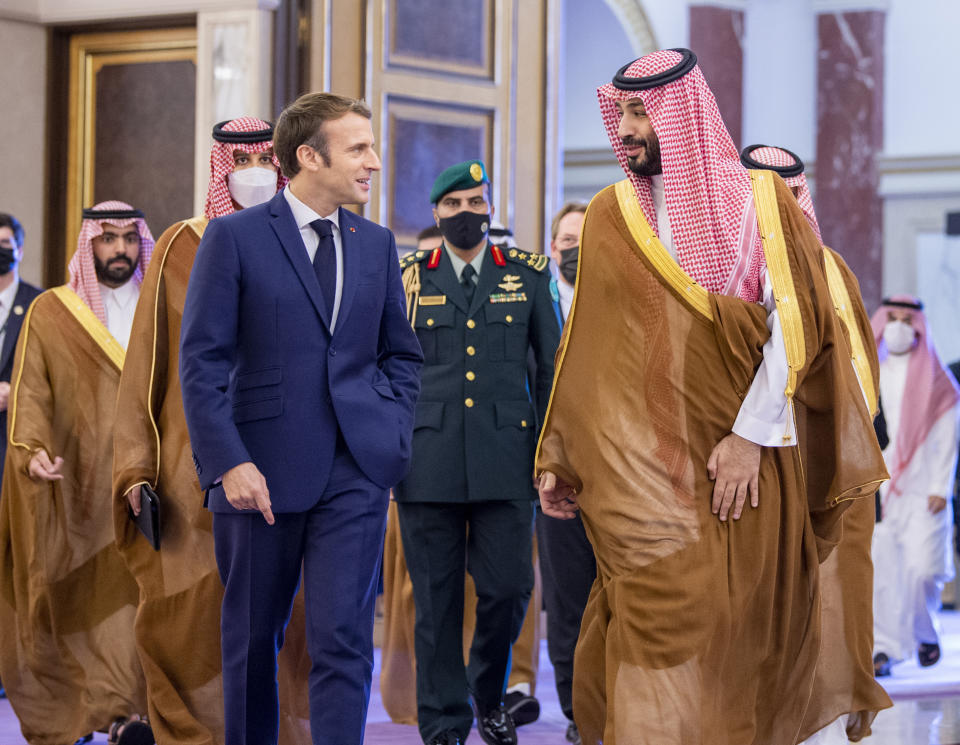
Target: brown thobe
(698, 630)
(178, 618)
(67, 601)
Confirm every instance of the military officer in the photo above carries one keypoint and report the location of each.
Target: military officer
(477, 310)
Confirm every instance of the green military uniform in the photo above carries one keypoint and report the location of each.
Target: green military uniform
(469, 494)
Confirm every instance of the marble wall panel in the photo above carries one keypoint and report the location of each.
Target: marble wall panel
(716, 36)
(850, 82)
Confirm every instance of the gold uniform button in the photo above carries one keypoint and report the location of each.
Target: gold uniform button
(469, 403)
(523, 423)
(471, 351)
(471, 323)
(429, 322)
(471, 375)
(509, 319)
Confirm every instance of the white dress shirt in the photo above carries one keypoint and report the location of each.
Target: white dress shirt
(120, 303)
(7, 298)
(765, 416)
(566, 297)
(305, 215)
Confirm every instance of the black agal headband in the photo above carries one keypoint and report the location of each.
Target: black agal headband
(785, 171)
(903, 304)
(89, 213)
(688, 61)
(241, 138)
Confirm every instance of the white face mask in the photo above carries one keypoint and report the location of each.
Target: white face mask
(252, 186)
(899, 337)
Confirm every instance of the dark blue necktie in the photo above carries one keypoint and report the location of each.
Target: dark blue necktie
(325, 263)
(466, 280)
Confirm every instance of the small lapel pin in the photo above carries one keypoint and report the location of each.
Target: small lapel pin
(18, 310)
(353, 230)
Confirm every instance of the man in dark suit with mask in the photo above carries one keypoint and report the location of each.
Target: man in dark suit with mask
(477, 310)
(15, 297)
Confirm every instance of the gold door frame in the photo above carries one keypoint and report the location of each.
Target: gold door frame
(88, 54)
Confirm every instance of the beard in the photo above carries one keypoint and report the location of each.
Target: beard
(117, 271)
(648, 162)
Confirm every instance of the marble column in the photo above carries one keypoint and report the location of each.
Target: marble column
(716, 37)
(849, 138)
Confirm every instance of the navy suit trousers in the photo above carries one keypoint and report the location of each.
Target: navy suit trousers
(339, 544)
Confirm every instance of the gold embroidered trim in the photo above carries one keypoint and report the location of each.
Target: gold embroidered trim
(844, 308)
(91, 324)
(197, 225)
(778, 266)
(693, 294)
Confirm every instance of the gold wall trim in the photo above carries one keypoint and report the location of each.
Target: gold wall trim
(89, 53)
(647, 241)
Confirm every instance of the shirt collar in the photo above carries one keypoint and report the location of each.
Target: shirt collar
(459, 264)
(9, 295)
(305, 215)
(121, 296)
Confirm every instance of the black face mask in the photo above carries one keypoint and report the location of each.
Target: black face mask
(568, 263)
(465, 229)
(8, 257)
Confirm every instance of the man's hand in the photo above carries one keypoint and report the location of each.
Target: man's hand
(41, 468)
(4, 396)
(557, 497)
(734, 465)
(246, 489)
(936, 504)
(133, 497)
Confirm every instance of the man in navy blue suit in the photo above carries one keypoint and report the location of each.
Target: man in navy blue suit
(300, 375)
(15, 298)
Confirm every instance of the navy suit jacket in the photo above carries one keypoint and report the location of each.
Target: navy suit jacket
(22, 299)
(264, 380)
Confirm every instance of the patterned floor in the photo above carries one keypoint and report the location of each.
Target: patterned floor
(926, 711)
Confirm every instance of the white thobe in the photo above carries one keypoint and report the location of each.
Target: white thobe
(912, 554)
(120, 303)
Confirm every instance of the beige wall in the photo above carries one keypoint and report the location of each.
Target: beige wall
(23, 81)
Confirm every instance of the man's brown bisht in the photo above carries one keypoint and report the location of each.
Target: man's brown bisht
(697, 630)
(178, 618)
(845, 683)
(67, 602)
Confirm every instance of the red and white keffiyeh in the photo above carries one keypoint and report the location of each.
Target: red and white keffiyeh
(708, 192)
(219, 202)
(780, 158)
(83, 272)
(930, 392)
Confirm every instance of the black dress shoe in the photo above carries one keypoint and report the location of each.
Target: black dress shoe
(497, 728)
(573, 734)
(446, 738)
(881, 665)
(928, 654)
(523, 709)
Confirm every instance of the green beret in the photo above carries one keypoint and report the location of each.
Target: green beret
(465, 175)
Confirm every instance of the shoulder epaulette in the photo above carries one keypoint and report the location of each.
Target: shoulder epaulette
(413, 257)
(537, 262)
